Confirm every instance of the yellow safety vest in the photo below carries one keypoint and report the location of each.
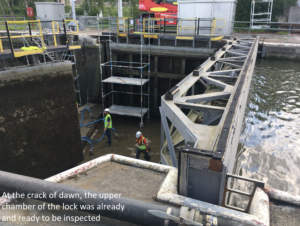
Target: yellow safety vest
(143, 145)
(106, 122)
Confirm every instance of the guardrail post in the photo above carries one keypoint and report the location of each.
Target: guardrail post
(65, 31)
(9, 39)
(29, 28)
(15, 24)
(1, 47)
(159, 26)
(231, 30)
(289, 32)
(198, 26)
(195, 26)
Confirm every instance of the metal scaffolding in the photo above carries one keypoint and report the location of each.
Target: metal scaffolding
(120, 109)
(261, 16)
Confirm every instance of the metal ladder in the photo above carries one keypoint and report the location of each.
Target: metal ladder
(70, 56)
(38, 42)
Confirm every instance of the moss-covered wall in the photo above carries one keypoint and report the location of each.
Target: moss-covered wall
(39, 127)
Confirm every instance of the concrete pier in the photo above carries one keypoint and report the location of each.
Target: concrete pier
(39, 130)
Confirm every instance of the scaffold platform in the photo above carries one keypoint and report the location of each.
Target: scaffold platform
(127, 110)
(126, 81)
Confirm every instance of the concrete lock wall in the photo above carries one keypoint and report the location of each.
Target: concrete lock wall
(88, 66)
(281, 50)
(39, 127)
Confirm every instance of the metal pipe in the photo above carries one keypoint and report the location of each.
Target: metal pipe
(186, 52)
(135, 211)
(86, 76)
(73, 10)
(149, 74)
(128, 93)
(110, 59)
(283, 196)
(141, 124)
(101, 73)
(65, 31)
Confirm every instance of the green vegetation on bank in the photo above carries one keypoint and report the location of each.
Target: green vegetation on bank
(130, 9)
(17, 8)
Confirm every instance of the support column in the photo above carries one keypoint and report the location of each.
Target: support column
(183, 66)
(115, 96)
(155, 83)
(171, 65)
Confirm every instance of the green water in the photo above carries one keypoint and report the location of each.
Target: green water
(269, 147)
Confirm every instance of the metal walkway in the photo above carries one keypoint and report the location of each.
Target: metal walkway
(41, 47)
(206, 126)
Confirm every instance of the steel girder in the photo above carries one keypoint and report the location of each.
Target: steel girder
(230, 62)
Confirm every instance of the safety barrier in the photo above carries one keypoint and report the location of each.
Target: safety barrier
(39, 34)
(274, 29)
(182, 28)
(256, 184)
(13, 18)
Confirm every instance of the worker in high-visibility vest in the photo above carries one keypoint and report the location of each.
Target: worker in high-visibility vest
(107, 126)
(142, 146)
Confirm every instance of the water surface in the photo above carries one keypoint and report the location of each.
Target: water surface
(269, 148)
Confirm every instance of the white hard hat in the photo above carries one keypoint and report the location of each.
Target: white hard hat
(138, 134)
(106, 109)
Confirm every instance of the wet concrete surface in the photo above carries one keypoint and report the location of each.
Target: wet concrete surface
(284, 215)
(115, 178)
(126, 128)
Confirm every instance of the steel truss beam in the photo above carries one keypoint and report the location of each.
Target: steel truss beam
(238, 58)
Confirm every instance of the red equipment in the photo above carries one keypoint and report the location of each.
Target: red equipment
(160, 10)
(29, 11)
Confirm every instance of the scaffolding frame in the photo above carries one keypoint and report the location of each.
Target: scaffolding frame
(125, 80)
(268, 15)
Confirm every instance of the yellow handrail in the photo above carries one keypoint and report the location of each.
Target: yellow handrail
(40, 34)
(214, 25)
(54, 33)
(1, 47)
(220, 19)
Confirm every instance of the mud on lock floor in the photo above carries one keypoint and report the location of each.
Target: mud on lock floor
(130, 181)
(126, 128)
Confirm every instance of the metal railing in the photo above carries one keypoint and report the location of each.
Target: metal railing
(13, 18)
(38, 35)
(91, 21)
(122, 26)
(270, 29)
(256, 184)
(198, 26)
